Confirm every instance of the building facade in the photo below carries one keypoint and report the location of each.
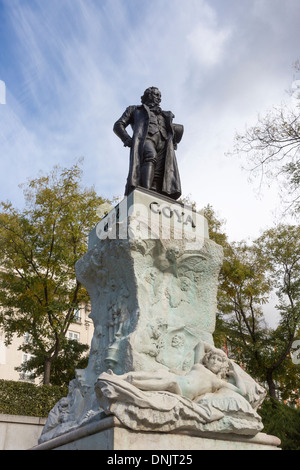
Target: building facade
(81, 329)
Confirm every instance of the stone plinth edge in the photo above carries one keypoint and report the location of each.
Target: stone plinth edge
(109, 434)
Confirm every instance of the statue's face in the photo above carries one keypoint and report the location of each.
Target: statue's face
(154, 97)
(215, 363)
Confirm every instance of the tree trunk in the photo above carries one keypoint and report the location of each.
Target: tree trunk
(47, 371)
(271, 384)
(49, 358)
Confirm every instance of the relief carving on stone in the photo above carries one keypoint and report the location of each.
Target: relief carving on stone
(215, 395)
(152, 362)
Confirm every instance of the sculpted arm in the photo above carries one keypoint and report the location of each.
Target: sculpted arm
(121, 124)
(238, 381)
(201, 348)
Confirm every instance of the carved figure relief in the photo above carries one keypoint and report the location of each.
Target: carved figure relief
(153, 303)
(215, 395)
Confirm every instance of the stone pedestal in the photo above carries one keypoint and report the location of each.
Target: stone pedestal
(108, 434)
(152, 275)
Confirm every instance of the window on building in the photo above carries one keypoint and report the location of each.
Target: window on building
(27, 338)
(26, 375)
(77, 316)
(73, 335)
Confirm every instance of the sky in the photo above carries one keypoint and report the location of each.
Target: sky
(69, 68)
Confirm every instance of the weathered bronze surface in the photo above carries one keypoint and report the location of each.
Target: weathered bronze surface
(153, 163)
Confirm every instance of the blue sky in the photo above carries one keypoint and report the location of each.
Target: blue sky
(71, 67)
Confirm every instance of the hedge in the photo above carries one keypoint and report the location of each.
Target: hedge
(27, 399)
(282, 421)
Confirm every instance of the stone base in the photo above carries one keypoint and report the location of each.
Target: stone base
(109, 434)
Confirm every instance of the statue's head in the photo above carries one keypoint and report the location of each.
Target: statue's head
(217, 362)
(151, 96)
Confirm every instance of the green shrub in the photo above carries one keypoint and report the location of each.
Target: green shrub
(27, 399)
(282, 421)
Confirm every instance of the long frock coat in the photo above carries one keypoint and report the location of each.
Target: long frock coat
(138, 117)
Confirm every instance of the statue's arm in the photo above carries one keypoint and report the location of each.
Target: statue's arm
(201, 348)
(199, 352)
(121, 124)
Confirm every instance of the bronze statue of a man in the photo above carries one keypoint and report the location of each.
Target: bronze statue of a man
(155, 137)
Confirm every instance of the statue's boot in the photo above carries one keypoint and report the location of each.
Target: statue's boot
(147, 175)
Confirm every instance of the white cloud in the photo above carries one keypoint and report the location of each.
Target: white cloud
(81, 63)
(208, 44)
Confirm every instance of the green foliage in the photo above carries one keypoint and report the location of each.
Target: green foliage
(27, 399)
(248, 276)
(39, 247)
(281, 421)
(242, 292)
(69, 358)
(215, 227)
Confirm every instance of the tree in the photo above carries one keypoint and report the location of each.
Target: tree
(282, 421)
(280, 249)
(243, 291)
(69, 358)
(248, 276)
(215, 227)
(39, 247)
(272, 149)
(218, 235)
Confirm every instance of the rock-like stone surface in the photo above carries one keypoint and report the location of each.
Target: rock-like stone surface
(152, 275)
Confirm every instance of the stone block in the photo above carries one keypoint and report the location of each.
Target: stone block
(108, 434)
(152, 275)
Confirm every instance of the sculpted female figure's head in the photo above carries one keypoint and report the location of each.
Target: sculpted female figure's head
(217, 362)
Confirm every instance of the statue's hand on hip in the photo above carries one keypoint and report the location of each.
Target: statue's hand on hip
(128, 142)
